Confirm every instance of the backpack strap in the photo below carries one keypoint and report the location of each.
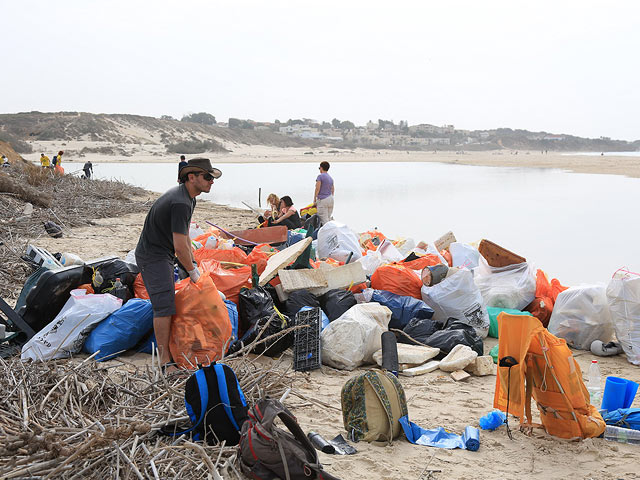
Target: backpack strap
(224, 393)
(204, 401)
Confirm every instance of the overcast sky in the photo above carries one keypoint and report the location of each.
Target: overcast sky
(558, 66)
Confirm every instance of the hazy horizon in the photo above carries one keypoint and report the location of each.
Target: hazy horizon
(558, 67)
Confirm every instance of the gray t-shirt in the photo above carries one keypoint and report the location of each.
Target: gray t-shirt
(171, 213)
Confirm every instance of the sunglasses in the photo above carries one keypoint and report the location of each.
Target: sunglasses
(207, 176)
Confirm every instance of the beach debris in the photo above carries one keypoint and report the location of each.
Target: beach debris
(497, 256)
(458, 358)
(481, 366)
(421, 369)
(302, 279)
(341, 277)
(444, 241)
(53, 229)
(410, 355)
(282, 259)
(460, 375)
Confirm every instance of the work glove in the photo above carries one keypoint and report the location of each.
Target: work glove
(194, 274)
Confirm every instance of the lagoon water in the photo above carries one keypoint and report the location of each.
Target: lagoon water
(579, 228)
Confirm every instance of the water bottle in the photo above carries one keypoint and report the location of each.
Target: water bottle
(595, 380)
(622, 435)
(120, 291)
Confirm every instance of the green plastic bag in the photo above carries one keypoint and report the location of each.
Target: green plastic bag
(494, 353)
(493, 318)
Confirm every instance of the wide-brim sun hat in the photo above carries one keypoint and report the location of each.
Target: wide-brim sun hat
(199, 165)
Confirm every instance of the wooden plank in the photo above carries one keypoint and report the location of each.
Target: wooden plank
(497, 256)
(293, 280)
(342, 277)
(444, 241)
(282, 259)
(276, 234)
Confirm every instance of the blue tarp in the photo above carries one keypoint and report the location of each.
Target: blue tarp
(403, 309)
(623, 417)
(121, 330)
(439, 437)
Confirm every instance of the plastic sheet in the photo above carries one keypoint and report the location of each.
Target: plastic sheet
(623, 296)
(581, 315)
(458, 297)
(439, 437)
(513, 286)
(66, 333)
(352, 339)
(121, 330)
(403, 308)
(337, 241)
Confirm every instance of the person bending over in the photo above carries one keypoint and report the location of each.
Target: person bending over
(288, 216)
(165, 234)
(274, 208)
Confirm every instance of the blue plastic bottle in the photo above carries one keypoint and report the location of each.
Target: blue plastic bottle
(492, 420)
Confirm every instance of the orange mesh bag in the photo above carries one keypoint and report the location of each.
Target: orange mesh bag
(235, 255)
(428, 260)
(543, 368)
(228, 280)
(398, 279)
(201, 328)
(139, 290)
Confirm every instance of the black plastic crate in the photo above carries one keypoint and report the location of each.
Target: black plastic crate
(306, 343)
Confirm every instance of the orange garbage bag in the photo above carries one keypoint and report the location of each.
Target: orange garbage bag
(541, 308)
(58, 169)
(447, 256)
(139, 290)
(398, 279)
(228, 280)
(543, 287)
(235, 255)
(428, 260)
(202, 239)
(556, 289)
(88, 287)
(200, 329)
(260, 256)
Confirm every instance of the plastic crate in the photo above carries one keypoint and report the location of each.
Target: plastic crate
(306, 343)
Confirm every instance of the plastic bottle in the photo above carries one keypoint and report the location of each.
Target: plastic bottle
(212, 242)
(622, 435)
(594, 385)
(119, 290)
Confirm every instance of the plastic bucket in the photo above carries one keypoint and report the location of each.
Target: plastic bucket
(618, 393)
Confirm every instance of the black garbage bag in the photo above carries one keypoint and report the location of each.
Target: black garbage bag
(272, 347)
(299, 299)
(253, 304)
(419, 329)
(281, 306)
(454, 333)
(106, 273)
(335, 302)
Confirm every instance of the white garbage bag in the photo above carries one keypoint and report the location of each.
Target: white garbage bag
(463, 255)
(371, 261)
(353, 338)
(458, 297)
(513, 286)
(581, 315)
(131, 257)
(623, 297)
(66, 333)
(337, 241)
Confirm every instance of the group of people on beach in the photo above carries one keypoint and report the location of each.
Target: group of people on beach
(46, 162)
(282, 212)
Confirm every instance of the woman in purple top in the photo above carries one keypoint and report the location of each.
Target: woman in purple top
(323, 196)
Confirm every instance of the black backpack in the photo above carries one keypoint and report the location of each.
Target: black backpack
(215, 404)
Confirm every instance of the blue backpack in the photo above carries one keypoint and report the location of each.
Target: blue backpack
(215, 404)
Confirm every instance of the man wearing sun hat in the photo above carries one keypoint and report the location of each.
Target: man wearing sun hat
(166, 234)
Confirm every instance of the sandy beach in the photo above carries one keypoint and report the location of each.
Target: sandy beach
(433, 399)
(149, 153)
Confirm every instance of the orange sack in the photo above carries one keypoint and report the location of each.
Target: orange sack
(201, 328)
(228, 280)
(428, 260)
(260, 256)
(235, 255)
(398, 279)
(139, 290)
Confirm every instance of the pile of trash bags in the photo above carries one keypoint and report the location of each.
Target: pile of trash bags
(441, 294)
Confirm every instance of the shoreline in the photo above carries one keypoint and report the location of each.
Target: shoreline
(595, 164)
